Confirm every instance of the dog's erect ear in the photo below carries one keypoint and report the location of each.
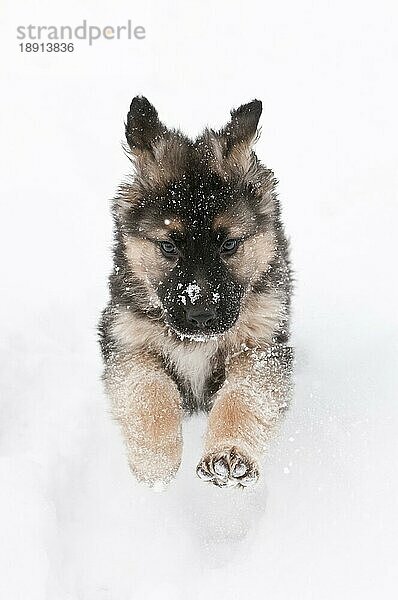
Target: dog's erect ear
(231, 147)
(143, 127)
(157, 153)
(242, 127)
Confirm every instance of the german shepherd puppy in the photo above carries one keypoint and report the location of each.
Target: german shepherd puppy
(198, 318)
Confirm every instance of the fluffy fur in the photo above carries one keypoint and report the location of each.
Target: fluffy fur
(198, 317)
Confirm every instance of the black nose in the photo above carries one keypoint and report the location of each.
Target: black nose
(201, 316)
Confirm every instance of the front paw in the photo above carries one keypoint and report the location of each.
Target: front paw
(155, 467)
(228, 468)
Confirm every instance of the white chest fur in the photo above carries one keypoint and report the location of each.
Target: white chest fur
(193, 364)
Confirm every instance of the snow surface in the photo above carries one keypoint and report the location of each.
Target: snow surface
(322, 523)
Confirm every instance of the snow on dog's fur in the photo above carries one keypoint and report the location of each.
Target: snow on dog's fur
(198, 317)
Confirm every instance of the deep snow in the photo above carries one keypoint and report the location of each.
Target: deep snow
(322, 523)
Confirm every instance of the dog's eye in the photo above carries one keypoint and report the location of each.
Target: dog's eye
(229, 246)
(168, 248)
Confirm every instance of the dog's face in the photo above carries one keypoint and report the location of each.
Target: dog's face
(196, 228)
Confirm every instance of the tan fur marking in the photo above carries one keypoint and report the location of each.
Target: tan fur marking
(146, 403)
(260, 318)
(173, 225)
(249, 406)
(134, 335)
(238, 160)
(236, 221)
(148, 264)
(165, 162)
(253, 256)
(230, 420)
(163, 231)
(143, 257)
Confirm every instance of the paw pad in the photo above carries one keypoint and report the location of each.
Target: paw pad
(228, 468)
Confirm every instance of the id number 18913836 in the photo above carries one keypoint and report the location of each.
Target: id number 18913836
(46, 47)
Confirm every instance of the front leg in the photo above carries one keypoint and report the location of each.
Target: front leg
(246, 411)
(146, 403)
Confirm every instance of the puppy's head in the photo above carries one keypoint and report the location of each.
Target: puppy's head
(197, 219)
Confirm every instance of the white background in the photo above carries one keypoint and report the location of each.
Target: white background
(322, 524)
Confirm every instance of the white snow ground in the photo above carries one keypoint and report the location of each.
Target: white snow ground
(322, 524)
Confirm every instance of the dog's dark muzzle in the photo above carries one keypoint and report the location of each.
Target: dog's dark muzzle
(201, 317)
